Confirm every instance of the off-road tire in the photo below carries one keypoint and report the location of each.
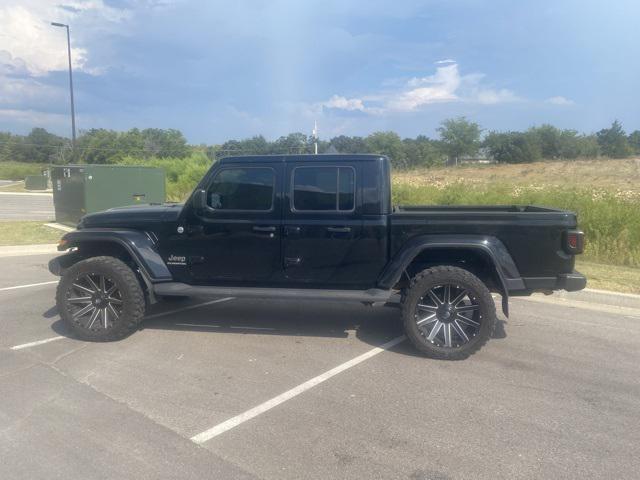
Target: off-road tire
(443, 275)
(131, 296)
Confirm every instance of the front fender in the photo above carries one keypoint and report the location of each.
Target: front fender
(138, 244)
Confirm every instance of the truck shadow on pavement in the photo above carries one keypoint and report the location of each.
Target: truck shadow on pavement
(371, 325)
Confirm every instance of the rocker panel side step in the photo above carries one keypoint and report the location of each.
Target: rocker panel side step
(179, 289)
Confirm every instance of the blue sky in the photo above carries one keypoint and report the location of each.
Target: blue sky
(232, 69)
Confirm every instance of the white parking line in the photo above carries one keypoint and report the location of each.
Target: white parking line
(190, 307)
(251, 328)
(197, 325)
(27, 286)
(35, 344)
(162, 314)
(220, 326)
(289, 394)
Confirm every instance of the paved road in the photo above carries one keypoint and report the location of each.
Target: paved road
(30, 206)
(555, 395)
(6, 182)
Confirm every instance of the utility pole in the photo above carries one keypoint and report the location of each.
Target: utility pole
(315, 137)
(73, 110)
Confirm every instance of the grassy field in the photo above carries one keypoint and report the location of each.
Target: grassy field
(620, 175)
(610, 277)
(606, 201)
(19, 170)
(15, 187)
(27, 233)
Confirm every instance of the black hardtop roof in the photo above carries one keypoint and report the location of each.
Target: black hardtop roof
(359, 157)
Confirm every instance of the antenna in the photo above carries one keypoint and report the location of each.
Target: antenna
(315, 137)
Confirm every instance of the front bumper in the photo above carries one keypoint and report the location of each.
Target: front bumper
(54, 266)
(58, 265)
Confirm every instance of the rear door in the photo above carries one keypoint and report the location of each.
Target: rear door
(322, 224)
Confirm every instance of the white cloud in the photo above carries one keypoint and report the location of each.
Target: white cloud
(30, 118)
(31, 48)
(30, 44)
(28, 91)
(559, 100)
(343, 103)
(491, 97)
(446, 85)
(440, 87)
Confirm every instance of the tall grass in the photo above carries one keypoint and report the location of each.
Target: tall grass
(182, 174)
(19, 170)
(610, 219)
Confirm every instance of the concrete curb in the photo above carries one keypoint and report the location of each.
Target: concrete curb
(602, 297)
(59, 226)
(24, 250)
(40, 194)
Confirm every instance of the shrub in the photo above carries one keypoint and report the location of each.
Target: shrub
(19, 170)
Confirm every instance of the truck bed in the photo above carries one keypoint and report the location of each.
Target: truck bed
(532, 234)
(474, 208)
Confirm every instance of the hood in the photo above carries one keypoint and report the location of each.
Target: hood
(135, 216)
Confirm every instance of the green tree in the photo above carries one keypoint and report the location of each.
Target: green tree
(346, 144)
(422, 152)
(100, 146)
(512, 147)
(549, 139)
(613, 141)
(634, 141)
(588, 146)
(164, 143)
(459, 137)
(292, 143)
(389, 144)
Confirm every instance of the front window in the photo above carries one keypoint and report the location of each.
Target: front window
(242, 189)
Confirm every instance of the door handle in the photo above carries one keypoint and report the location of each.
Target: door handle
(339, 229)
(264, 229)
(292, 261)
(289, 230)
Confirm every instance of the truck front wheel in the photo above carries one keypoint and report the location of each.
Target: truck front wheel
(448, 313)
(100, 299)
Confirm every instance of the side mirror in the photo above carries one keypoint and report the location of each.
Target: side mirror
(200, 200)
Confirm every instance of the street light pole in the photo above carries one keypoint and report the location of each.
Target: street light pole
(73, 112)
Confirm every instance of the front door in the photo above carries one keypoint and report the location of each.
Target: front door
(322, 225)
(237, 237)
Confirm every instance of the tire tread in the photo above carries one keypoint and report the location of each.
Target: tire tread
(136, 305)
(465, 276)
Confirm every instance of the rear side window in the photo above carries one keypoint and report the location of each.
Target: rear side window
(323, 189)
(242, 189)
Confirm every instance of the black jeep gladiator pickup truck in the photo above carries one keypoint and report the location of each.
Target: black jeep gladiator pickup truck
(316, 227)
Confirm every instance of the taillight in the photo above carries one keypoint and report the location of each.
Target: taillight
(573, 242)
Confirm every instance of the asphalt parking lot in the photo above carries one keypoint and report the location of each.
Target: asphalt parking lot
(26, 206)
(225, 388)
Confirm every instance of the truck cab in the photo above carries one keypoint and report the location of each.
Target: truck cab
(316, 221)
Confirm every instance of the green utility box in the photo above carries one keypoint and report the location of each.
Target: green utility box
(35, 182)
(82, 189)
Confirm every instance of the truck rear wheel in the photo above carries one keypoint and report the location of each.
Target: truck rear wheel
(448, 313)
(100, 299)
